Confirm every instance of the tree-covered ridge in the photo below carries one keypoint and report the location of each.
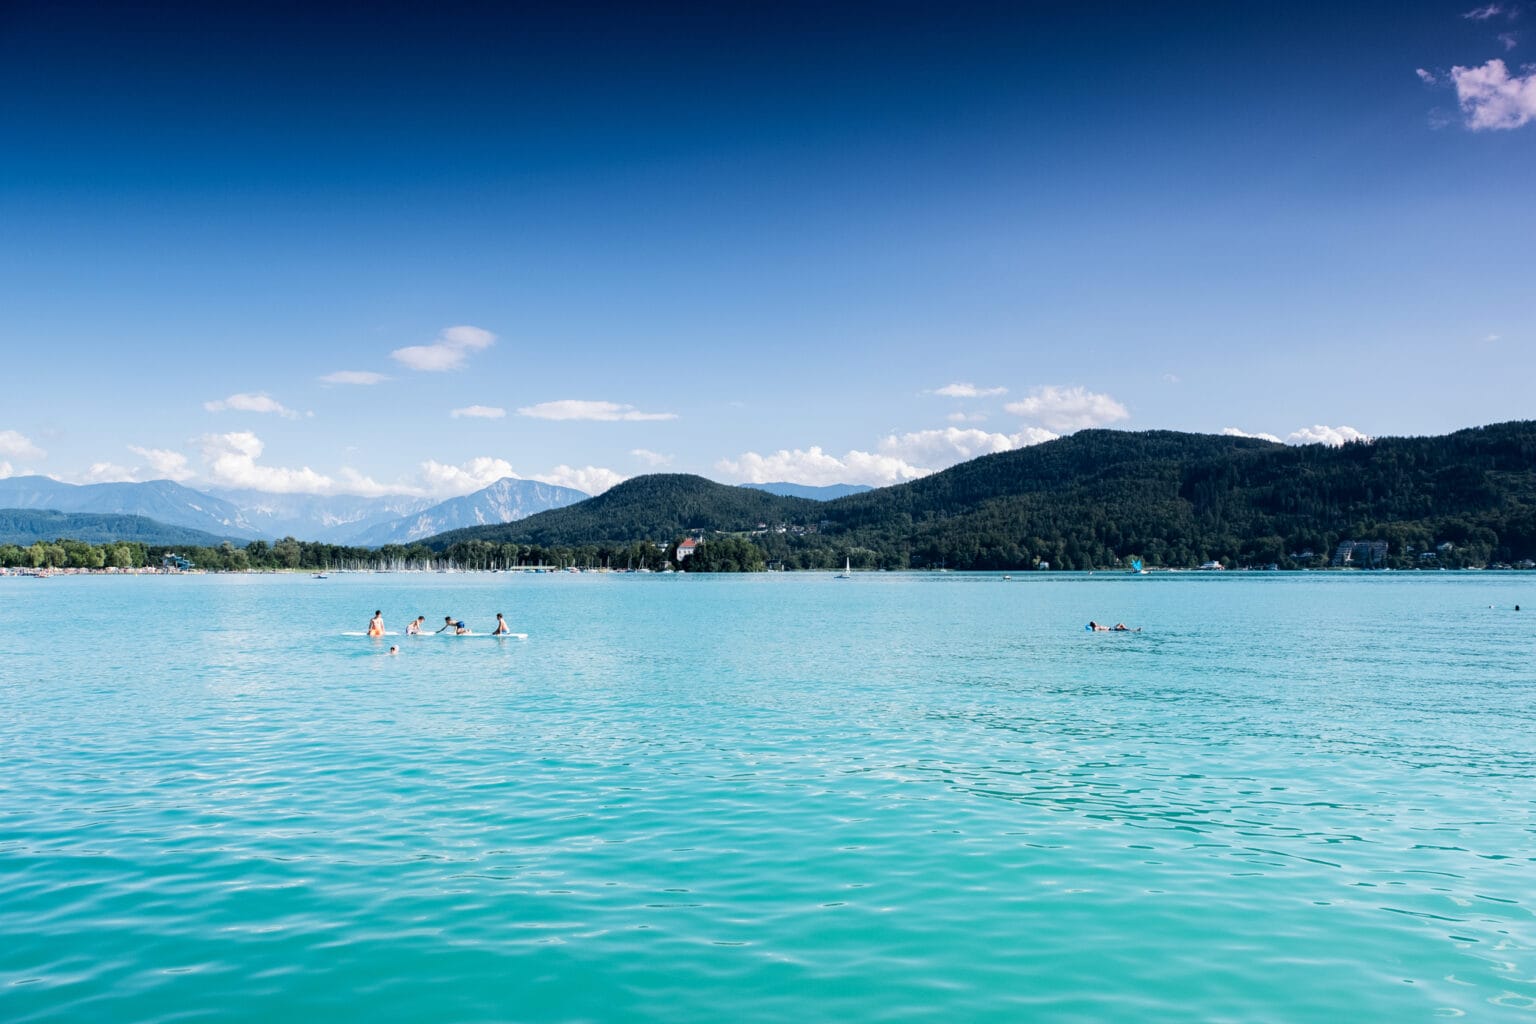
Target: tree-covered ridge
(658, 507)
(1099, 496)
(23, 526)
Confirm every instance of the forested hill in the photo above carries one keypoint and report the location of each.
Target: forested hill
(1098, 496)
(28, 525)
(662, 507)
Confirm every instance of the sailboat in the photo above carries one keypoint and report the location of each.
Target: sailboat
(846, 574)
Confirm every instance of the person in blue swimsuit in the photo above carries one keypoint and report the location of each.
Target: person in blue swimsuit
(449, 622)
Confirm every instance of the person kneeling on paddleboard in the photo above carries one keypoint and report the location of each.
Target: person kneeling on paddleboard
(449, 622)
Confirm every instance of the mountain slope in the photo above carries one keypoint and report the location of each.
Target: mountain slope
(333, 518)
(161, 500)
(24, 526)
(506, 501)
(661, 507)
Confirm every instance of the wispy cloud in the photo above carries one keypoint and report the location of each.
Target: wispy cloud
(479, 412)
(968, 390)
(649, 457)
(1331, 436)
(1426, 76)
(107, 473)
(353, 377)
(1065, 409)
(1235, 432)
(1485, 13)
(251, 402)
(575, 409)
(447, 352)
(966, 417)
(164, 464)
(1492, 99)
(1510, 40)
(17, 446)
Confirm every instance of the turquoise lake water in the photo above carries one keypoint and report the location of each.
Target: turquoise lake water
(779, 797)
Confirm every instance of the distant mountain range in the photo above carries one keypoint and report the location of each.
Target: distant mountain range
(332, 518)
(24, 526)
(253, 515)
(826, 492)
(161, 500)
(504, 501)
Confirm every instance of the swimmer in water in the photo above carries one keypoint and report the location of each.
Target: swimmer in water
(376, 624)
(394, 650)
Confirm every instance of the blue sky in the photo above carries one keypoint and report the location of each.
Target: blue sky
(278, 249)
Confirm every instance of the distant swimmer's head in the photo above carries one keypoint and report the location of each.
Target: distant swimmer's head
(394, 650)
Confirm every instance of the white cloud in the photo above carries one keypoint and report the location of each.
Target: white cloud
(574, 409)
(966, 417)
(1064, 409)
(164, 463)
(16, 446)
(452, 481)
(587, 479)
(231, 460)
(1492, 99)
(253, 402)
(899, 457)
(5, 470)
(937, 449)
(448, 352)
(1235, 432)
(816, 467)
(1172, 378)
(1332, 436)
(353, 377)
(1492, 337)
(968, 390)
(479, 412)
(1510, 40)
(649, 457)
(107, 473)
(1427, 77)
(1484, 13)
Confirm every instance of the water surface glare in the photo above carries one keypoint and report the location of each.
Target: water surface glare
(781, 797)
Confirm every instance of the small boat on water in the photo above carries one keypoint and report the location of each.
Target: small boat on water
(1211, 566)
(847, 573)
